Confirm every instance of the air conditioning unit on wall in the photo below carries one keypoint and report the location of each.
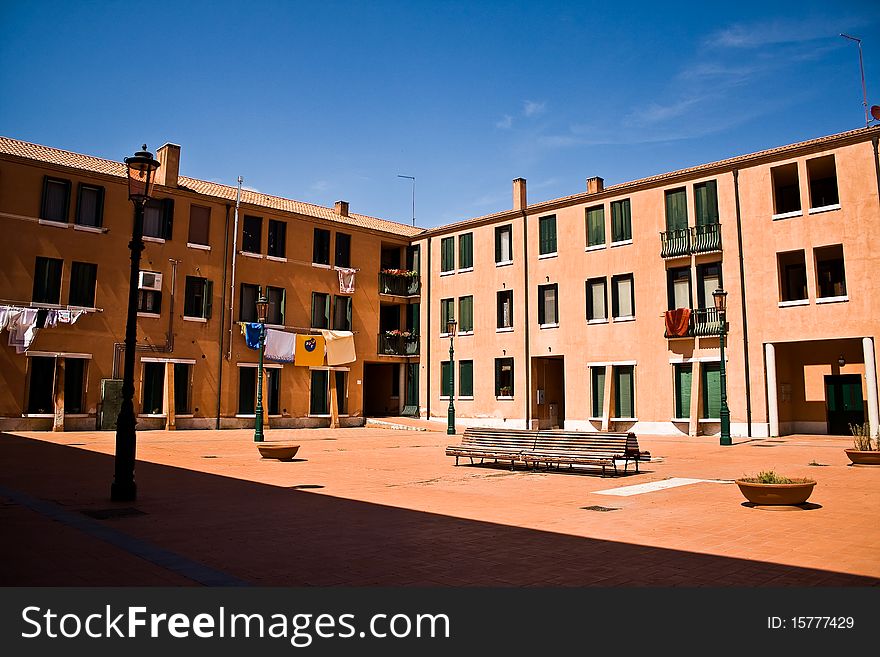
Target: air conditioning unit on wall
(150, 280)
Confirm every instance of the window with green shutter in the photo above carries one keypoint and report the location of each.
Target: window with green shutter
(465, 314)
(597, 390)
(624, 393)
(503, 244)
(447, 312)
(319, 393)
(320, 310)
(466, 251)
(683, 373)
(446, 385)
(47, 280)
(706, 203)
(621, 221)
(596, 226)
(547, 234)
(711, 390)
(676, 209)
(466, 378)
(447, 254)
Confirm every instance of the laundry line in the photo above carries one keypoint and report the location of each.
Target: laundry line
(260, 256)
(47, 306)
(297, 329)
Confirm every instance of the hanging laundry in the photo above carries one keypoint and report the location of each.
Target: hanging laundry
(22, 329)
(309, 350)
(75, 315)
(4, 316)
(340, 347)
(51, 319)
(280, 345)
(346, 280)
(251, 331)
(62, 316)
(678, 322)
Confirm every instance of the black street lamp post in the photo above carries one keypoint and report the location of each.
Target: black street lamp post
(720, 297)
(141, 169)
(450, 329)
(262, 313)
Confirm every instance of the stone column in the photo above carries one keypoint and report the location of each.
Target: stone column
(607, 398)
(334, 402)
(696, 397)
(772, 389)
(266, 375)
(58, 395)
(170, 417)
(871, 381)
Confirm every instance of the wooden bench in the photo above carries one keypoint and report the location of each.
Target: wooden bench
(495, 444)
(593, 448)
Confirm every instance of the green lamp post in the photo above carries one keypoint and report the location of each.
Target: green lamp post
(720, 297)
(450, 329)
(262, 312)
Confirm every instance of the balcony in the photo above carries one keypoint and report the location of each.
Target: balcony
(701, 323)
(402, 344)
(401, 283)
(685, 241)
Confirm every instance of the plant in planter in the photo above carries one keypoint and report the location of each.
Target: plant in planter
(865, 451)
(506, 391)
(768, 488)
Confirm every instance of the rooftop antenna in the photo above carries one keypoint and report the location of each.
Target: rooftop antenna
(862, 70)
(413, 178)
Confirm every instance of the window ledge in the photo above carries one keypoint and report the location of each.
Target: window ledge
(203, 320)
(38, 415)
(465, 270)
(152, 415)
(621, 243)
(549, 326)
(319, 415)
(281, 326)
(54, 224)
(788, 215)
(595, 419)
(157, 240)
(150, 315)
(825, 208)
(444, 335)
(504, 329)
(248, 254)
(680, 420)
(628, 318)
(544, 256)
(597, 321)
(448, 272)
(77, 415)
(200, 247)
(504, 398)
(595, 247)
(709, 420)
(276, 259)
(185, 416)
(320, 265)
(794, 302)
(504, 263)
(832, 299)
(624, 419)
(464, 334)
(466, 398)
(90, 229)
(245, 415)
(88, 309)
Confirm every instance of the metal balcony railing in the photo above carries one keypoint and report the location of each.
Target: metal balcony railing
(685, 241)
(398, 345)
(399, 285)
(674, 243)
(705, 321)
(706, 238)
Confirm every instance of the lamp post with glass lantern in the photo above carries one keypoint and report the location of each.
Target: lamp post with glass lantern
(450, 428)
(141, 169)
(262, 312)
(720, 297)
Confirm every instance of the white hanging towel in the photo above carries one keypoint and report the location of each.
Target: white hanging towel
(22, 329)
(5, 312)
(280, 345)
(340, 347)
(346, 280)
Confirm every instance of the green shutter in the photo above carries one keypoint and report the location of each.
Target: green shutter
(466, 314)
(466, 251)
(711, 390)
(547, 234)
(621, 221)
(446, 313)
(497, 245)
(676, 209)
(706, 203)
(623, 391)
(447, 254)
(445, 386)
(208, 300)
(598, 390)
(595, 226)
(466, 378)
(318, 394)
(683, 376)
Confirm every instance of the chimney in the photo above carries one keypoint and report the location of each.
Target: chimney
(341, 208)
(595, 185)
(169, 165)
(519, 194)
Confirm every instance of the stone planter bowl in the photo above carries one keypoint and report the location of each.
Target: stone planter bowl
(776, 494)
(280, 451)
(863, 457)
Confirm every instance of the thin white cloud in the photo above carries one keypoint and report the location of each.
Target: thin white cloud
(320, 186)
(758, 35)
(534, 108)
(506, 123)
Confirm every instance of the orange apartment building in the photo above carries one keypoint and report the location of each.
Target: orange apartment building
(592, 311)
(562, 305)
(67, 222)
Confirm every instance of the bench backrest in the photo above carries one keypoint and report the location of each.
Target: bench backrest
(504, 438)
(593, 443)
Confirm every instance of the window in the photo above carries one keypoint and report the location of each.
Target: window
(822, 178)
(621, 221)
(597, 390)
(676, 209)
(503, 244)
(547, 235)
(153, 393)
(247, 390)
(447, 254)
(504, 377)
(90, 206)
(466, 314)
(786, 190)
(197, 297)
(683, 376)
(548, 296)
(159, 218)
(596, 300)
(247, 306)
(56, 200)
(446, 386)
(624, 391)
(708, 280)
(792, 268)
(182, 388)
(41, 385)
(711, 390)
(277, 247)
(74, 385)
(342, 257)
(47, 280)
(252, 234)
(199, 225)
(595, 226)
(447, 312)
(319, 399)
(320, 310)
(678, 287)
(341, 378)
(623, 298)
(341, 313)
(505, 309)
(149, 301)
(275, 312)
(412, 258)
(321, 247)
(273, 391)
(706, 202)
(830, 274)
(83, 277)
(466, 251)
(465, 378)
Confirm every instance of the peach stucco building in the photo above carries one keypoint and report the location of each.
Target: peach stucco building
(592, 311)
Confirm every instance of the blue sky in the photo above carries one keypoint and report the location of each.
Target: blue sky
(322, 101)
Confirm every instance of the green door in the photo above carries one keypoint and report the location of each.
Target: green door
(843, 398)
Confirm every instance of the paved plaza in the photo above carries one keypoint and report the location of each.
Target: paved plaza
(383, 506)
